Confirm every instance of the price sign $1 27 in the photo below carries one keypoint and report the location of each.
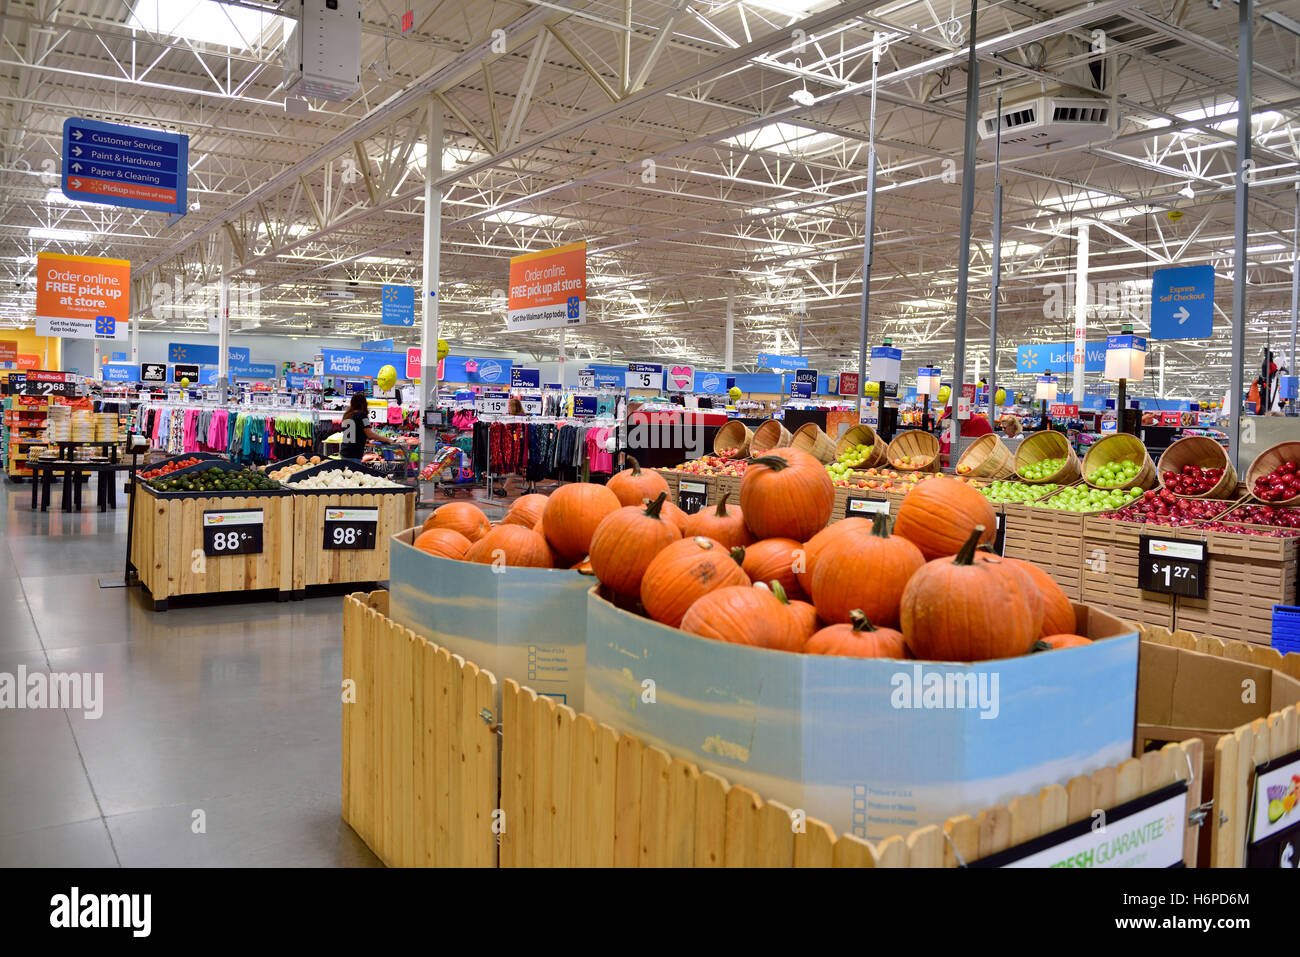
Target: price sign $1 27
(1172, 567)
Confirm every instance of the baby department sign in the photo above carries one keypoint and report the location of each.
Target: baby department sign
(548, 289)
(82, 297)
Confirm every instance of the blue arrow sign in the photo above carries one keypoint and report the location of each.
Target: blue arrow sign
(125, 166)
(397, 305)
(1182, 302)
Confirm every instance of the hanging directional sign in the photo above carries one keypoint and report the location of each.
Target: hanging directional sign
(397, 305)
(1182, 303)
(125, 166)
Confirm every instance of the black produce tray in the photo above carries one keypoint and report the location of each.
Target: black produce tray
(331, 465)
(223, 493)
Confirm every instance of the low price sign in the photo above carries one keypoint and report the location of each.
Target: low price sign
(236, 531)
(351, 528)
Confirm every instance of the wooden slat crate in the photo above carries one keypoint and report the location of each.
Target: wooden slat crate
(420, 783)
(313, 564)
(167, 545)
(1049, 538)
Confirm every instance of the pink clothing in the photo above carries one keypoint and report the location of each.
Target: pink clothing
(599, 458)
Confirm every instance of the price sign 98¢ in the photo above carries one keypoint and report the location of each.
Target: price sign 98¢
(351, 528)
(232, 532)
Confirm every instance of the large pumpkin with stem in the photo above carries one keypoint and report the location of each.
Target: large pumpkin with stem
(786, 493)
(858, 638)
(461, 517)
(682, 573)
(626, 541)
(571, 515)
(634, 484)
(743, 615)
(526, 510)
(512, 545)
(803, 613)
(775, 559)
(938, 514)
(961, 609)
(722, 524)
(853, 525)
(443, 542)
(866, 573)
(1058, 612)
(677, 516)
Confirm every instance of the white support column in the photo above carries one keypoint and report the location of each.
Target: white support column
(1080, 313)
(1163, 350)
(563, 337)
(432, 244)
(731, 329)
(135, 338)
(223, 320)
(977, 368)
(98, 371)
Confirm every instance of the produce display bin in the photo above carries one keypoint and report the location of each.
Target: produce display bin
(522, 623)
(844, 740)
(1050, 538)
(168, 547)
(1247, 575)
(332, 556)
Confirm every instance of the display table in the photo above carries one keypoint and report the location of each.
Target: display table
(43, 473)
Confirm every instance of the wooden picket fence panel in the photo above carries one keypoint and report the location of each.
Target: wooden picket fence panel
(420, 781)
(419, 776)
(576, 793)
(1236, 754)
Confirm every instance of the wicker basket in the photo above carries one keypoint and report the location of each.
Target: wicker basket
(864, 435)
(735, 434)
(987, 458)
(1267, 461)
(912, 443)
(1208, 454)
(1048, 445)
(1121, 447)
(770, 435)
(811, 439)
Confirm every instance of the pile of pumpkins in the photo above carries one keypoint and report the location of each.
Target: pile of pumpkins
(771, 573)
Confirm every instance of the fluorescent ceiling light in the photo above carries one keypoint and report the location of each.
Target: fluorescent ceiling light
(515, 217)
(204, 21)
(788, 138)
(791, 8)
(59, 235)
(1226, 111)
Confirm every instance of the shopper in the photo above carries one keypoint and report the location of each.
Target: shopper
(514, 406)
(356, 429)
(971, 428)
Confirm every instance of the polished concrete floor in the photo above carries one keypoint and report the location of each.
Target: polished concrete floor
(228, 710)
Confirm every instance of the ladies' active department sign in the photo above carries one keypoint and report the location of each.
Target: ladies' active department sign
(548, 289)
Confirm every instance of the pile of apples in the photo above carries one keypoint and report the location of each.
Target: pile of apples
(712, 465)
(1251, 530)
(1281, 484)
(729, 453)
(1163, 507)
(1192, 480)
(912, 461)
(1279, 516)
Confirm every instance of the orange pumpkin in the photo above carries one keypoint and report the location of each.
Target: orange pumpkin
(866, 572)
(626, 541)
(675, 515)
(462, 517)
(813, 547)
(572, 513)
(722, 524)
(960, 609)
(1062, 641)
(857, 639)
(1021, 570)
(684, 572)
(786, 493)
(938, 514)
(804, 614)
(1058, 612)
(444, 542)
(775, 559)
(514, 545)
(526, 510)
(743, 615)
(634, 485)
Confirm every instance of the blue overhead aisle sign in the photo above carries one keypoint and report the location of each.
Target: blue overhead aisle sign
(1182, 303)
(125, 166)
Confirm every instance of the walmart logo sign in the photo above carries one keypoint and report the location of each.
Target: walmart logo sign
(1059, 357)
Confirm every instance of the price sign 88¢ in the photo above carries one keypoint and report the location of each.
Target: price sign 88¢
(236, 531)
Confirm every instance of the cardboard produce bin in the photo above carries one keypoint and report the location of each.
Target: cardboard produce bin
(825, 735)
(522, 623)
